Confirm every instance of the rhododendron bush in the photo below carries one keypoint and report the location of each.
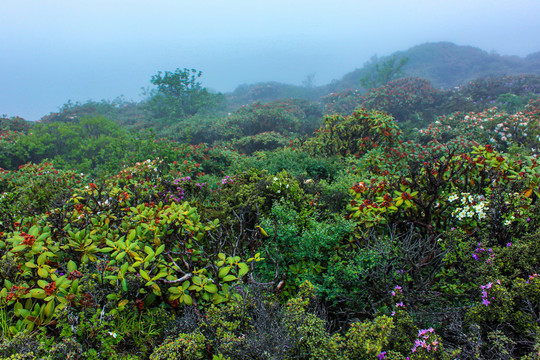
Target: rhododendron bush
(367, 239)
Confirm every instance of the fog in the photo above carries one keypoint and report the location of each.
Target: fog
(57, 50)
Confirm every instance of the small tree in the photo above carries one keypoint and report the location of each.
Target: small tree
(179, 94)
(384, 72)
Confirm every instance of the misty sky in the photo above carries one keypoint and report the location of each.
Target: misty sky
(57, 50)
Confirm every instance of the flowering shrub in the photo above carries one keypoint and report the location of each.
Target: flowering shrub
(507, 92)
(400, 197)
(427, 345)
(35, 188)
(343, 103)
(129, 259)
(472, 208)
(402, 98)
(355, 134)
(491, 126)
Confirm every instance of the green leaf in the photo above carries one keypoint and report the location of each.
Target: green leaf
(131, 235)
(187, 300)
(49, 309)
(148, 250)
(229, 278)
(160, 249)
(174, 290)
(71, 266)
(224, 271)
(18, 248)
(144, 275)
(18, 306)
(38, 293)
(244, 269)
(43, 273)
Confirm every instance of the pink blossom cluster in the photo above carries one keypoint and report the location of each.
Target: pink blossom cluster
(424, 340)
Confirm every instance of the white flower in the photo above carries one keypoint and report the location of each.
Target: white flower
(113, 334)
(275, 179)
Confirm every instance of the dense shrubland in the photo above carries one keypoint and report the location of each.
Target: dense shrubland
(285, 235)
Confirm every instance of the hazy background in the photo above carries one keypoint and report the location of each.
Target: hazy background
(56, 50)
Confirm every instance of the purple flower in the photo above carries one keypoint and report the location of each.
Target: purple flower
(382, 355)
(509, 244)
(485, 302)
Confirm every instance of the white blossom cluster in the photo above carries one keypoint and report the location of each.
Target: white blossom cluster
(471, 206)
(508, 221)
(280, 185)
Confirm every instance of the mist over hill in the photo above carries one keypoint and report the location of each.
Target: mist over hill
(444, 64)
(447, 65)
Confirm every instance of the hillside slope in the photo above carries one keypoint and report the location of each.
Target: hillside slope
(447, 65)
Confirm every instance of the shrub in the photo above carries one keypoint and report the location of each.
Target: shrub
(354, 134)
(184, 346)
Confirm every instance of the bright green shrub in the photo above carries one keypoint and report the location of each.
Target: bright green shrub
(184, 346)
(368, 339)
(297, 162)
(302, 245)
(38, 346)
(308, 331)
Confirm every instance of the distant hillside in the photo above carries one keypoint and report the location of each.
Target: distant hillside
(444, 64)
(447, 65)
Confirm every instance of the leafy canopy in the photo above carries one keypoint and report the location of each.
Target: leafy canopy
(180, 94)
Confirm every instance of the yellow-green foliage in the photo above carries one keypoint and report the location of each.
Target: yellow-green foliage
(368, 339)
(184, 347)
